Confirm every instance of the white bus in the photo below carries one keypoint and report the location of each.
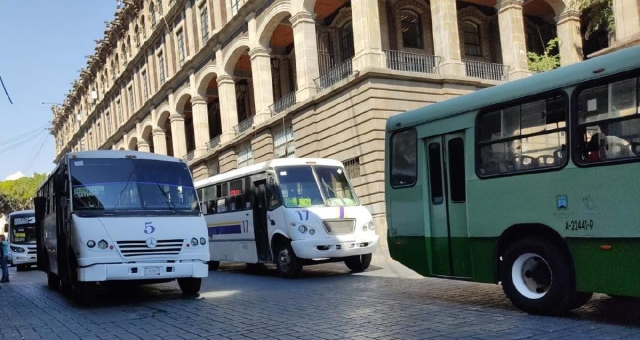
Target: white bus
(105, 216)
(289, 211)
(21, 230)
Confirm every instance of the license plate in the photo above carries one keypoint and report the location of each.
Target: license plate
(152, 270)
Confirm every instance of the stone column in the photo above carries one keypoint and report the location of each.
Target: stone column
(307, 70)
(159, 141)
(178, 135)
(200, 122)
(262, 82)
(627, 18)
(215, 8)
(143, 146)
(446, 39)
(512, 38)
(170, 56)
(228, 107)
(188, 30)
(570, 38)
(367, 39)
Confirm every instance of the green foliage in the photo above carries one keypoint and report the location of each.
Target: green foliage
(599, 15)
(546, 61)
(18, 194)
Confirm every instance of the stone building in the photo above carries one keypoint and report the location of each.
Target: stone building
(226, 83)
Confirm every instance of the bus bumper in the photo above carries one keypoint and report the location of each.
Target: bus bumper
(143, 271)
(23, 259)
(331, 248)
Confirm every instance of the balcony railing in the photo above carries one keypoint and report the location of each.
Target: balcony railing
(244, 125)
(412, 62)
(283, 103)
(189, 156)
(334, 75)
(215, 141)
(478, 69)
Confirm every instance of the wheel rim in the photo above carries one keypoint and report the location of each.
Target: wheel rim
(284, 260)
(531, 276)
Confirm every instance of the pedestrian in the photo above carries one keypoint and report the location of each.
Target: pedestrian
(4, 258)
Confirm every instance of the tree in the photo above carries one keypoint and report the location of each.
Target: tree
(18, 194)
(547, 61)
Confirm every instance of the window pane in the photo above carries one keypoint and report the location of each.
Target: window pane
(610, 141)
(456, 170)
(614, 100)
(435, 173)
(411, 29)
(403, 158)
(236, 194)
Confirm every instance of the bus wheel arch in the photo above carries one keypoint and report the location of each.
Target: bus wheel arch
(275, 240)
(526, 230)
(288, 264)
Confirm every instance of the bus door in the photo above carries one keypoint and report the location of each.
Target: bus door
(451, 255)
(260, 226)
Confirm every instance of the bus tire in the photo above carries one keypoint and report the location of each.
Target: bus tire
(288, 264)
(358, 263)
(190, 285)
(20, 268)
(53, 281)
(538, 277)
(214, 265)
(87, 293)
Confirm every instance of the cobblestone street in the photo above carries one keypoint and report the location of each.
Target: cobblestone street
(387, 302)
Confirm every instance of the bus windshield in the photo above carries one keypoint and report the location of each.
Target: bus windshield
(23, 230)
(304, 186)
(101, 184)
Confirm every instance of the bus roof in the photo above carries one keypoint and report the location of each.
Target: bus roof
(613, 63)
(22, 212)
(261, 167)
(122, 154)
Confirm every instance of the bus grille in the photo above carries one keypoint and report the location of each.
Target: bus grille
(139, 248)
(32, 250)
(339, 227)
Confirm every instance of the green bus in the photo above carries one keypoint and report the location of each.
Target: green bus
(529, 184)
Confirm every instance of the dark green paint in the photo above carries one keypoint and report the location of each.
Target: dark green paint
(411, 251)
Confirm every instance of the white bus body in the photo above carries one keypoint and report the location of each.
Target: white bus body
(22, 238)
(121, 215)
(290, 211)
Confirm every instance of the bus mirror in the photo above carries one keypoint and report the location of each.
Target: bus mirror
(6, 227)
(204, 208)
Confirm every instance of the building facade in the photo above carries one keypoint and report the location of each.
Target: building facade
(226, 83)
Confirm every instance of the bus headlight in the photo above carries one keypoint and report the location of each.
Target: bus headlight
(17, 249)
(103, 244)
(203, 240)
(91, 243)
(302, 229)
(371, 226)
(194, 242)
(312, 231)
(364, 227)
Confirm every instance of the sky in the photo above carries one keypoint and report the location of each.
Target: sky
(43, 44)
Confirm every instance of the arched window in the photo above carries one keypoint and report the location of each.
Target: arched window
(346, 41)
(137, 36)
(411, 29)
(471, 38)
(143, 28)
(152, 13)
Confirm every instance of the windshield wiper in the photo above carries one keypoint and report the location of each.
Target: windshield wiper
(324, 183)
(170, 204)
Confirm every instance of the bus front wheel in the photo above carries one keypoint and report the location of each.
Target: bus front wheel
(87, 293)
(358, 263)
(538, 277)
(287, 263)
(190, 285)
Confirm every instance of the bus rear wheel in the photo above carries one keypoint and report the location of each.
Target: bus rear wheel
(288, 264)
(358, 263)
(538, 277)
(53, 281)
(21, 268)
(190, 285)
